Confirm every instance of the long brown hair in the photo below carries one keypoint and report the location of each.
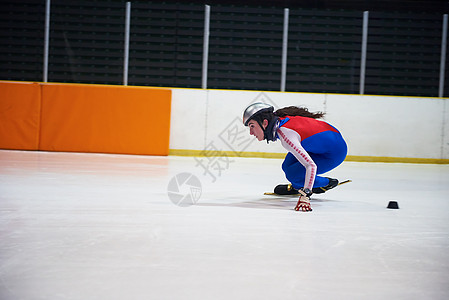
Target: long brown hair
(298, 111)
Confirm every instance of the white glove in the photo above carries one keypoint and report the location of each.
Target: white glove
(304, 200)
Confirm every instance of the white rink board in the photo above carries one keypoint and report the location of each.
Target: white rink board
(445, 134)
(408, 127)
(188, 119)
(389, 126)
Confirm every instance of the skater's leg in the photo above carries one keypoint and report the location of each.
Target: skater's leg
(295, 172)
(330, 152)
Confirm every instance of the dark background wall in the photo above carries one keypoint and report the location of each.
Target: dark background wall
(166, 44)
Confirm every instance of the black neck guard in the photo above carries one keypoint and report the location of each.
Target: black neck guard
(269, 133)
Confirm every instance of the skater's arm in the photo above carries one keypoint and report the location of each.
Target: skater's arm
(291, 141)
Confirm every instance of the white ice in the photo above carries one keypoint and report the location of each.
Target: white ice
(98, 226)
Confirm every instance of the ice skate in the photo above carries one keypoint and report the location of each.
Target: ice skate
(285, 189)
(332, 183)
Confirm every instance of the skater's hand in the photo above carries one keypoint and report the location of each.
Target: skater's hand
(304, 201)
(303, 204)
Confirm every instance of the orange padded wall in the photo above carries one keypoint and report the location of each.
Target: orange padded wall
(105, 119)
(20, 105)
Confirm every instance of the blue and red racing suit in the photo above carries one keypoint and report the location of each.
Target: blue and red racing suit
(314, 147)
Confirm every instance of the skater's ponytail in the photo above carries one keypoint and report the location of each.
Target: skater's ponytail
(298, 111)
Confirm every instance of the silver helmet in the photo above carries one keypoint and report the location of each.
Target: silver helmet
(254, 109)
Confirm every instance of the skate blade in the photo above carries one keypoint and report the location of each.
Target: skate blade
(297, 195)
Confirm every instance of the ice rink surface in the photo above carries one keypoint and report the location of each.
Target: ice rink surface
(98, 226)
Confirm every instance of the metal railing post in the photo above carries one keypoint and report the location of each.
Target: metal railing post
(284, 50)
(205, 45)
(443, 56)
(126, 51)
(364, 49)
(46, 40)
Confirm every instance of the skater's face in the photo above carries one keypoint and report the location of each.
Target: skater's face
(256, 130)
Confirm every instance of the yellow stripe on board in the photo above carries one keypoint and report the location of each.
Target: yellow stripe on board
(384, 159)
(381, 159)
(210, 153)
